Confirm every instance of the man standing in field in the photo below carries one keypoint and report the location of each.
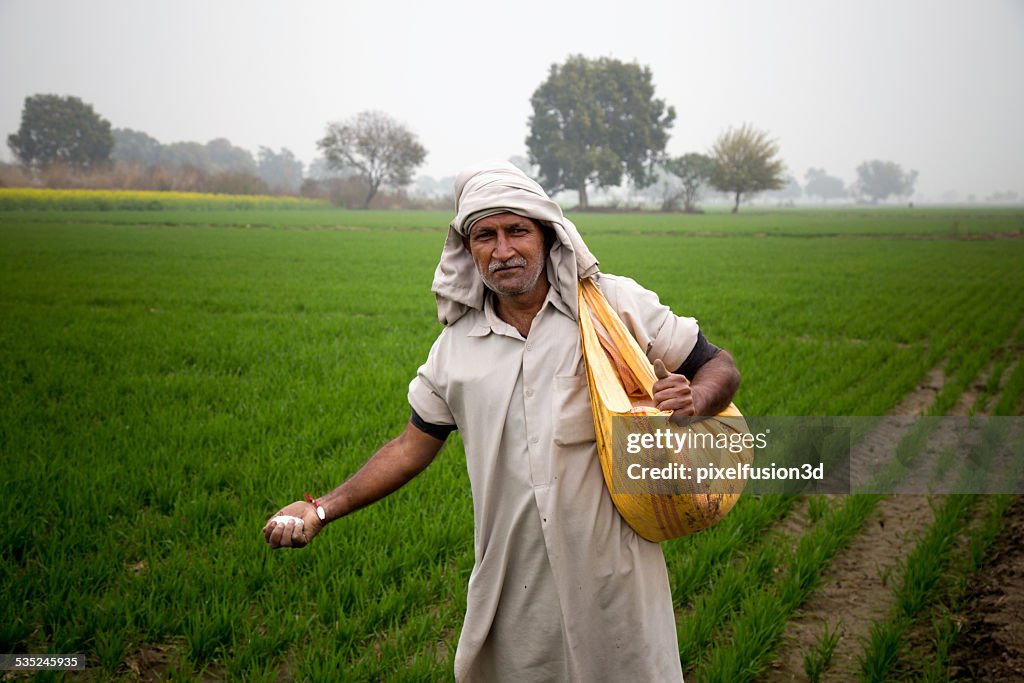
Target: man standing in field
(562, 588)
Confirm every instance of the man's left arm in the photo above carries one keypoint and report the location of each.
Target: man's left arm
(707, 378)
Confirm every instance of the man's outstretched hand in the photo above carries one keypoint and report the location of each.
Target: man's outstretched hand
(293, 533)
(394, 464)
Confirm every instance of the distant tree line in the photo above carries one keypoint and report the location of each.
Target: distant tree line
(595, 122)
(63, 142)
(66, 143)
(687, 178)
(275, 171)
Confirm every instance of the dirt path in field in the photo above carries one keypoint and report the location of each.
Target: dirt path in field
(857, 588)
(875, 449)
(855, 592)
(990, 646)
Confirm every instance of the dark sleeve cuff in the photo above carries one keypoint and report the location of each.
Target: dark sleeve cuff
(703, 351)
(439, 432)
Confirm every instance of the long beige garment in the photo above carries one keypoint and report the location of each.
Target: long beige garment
(562, 588)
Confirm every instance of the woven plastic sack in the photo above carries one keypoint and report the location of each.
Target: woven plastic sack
(620, 380)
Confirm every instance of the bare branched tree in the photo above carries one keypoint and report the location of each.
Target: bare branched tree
(381, 150)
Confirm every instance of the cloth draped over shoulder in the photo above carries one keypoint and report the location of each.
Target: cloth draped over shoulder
(496, 187)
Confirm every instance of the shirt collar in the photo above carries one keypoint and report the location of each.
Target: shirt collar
(490, 322)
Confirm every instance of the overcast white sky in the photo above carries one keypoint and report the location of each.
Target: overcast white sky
(934, 85)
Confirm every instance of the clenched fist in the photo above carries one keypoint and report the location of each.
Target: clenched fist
(674, 392)
(293, 526)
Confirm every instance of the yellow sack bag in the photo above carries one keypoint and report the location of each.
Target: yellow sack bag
(620, 380)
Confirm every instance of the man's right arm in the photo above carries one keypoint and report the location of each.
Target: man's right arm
(394, 464)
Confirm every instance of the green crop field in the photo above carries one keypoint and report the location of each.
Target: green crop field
(172, 377)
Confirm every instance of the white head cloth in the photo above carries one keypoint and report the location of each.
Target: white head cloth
(496, 187)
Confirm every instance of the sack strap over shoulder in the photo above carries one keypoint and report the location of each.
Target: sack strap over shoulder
(592, 300)
(620, 382)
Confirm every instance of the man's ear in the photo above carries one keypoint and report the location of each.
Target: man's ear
(549, 235)
(465, 243)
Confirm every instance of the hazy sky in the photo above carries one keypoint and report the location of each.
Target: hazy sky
(934, 85)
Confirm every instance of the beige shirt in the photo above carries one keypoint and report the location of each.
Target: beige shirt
(562, 588)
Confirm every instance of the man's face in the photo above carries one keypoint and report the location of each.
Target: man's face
(509, 251)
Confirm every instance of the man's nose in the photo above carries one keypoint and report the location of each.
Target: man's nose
(503, 250)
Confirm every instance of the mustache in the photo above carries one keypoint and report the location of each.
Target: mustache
(515, 261)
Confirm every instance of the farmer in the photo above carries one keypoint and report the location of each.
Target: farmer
(562, 588)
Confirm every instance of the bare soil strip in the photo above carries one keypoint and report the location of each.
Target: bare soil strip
(973, 401)
(990, 646)
(856, 589)
(875, 450)
(921, 398)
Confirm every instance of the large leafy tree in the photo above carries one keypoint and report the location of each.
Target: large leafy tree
(57, 129)
(880, 179)
(185, 154)
(746, 162)
(224, 157)
(378, 148)
(595, 120)
(135, 147)
(280, 170)
(694, 171)
(821, 184)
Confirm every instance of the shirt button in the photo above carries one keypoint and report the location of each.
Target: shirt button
(533, 439)
(529, 347)
(529, 393)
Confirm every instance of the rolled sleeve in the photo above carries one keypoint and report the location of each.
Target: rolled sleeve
(428, 404)
(659, 332)
(426, 390)
(701, 354)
